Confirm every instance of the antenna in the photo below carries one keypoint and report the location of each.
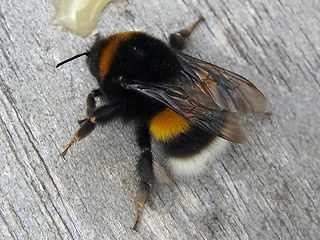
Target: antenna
(72, 58)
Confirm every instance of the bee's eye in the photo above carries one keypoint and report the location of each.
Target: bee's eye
(93, 63)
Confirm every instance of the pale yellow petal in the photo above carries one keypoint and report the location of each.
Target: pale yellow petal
(79, 16)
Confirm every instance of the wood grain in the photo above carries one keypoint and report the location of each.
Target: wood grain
(267, 188)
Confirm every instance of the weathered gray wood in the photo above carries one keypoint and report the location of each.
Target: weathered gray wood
(267, 188)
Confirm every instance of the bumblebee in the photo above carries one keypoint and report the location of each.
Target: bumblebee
(185, 104)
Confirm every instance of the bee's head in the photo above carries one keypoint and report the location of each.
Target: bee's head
(93, 56)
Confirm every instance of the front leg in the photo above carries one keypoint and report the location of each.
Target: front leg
(102, 114)
(91, 104)
(145, 171)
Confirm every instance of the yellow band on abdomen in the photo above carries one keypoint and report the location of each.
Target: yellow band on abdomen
(167, 125)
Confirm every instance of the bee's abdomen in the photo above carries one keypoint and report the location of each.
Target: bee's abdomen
(187, 157)
(188, 143)
(179, 136)
(168, 125)
(188, 148)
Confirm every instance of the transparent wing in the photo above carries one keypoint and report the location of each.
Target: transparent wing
(206, 95)
(226, 89)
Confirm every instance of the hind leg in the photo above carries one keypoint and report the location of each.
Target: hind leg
(144, 169)
(177, 40)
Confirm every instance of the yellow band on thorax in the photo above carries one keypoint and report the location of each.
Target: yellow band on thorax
(110, 50)
(167, 125)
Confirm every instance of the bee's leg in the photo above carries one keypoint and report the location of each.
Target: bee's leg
(86, 127)
(177, 40)
(145, 172)
(102, 114)
(91, 104)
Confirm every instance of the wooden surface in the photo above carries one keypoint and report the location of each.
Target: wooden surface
(267, 188)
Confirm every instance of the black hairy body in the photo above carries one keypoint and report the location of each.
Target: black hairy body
(149, 60)
(183, 103)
